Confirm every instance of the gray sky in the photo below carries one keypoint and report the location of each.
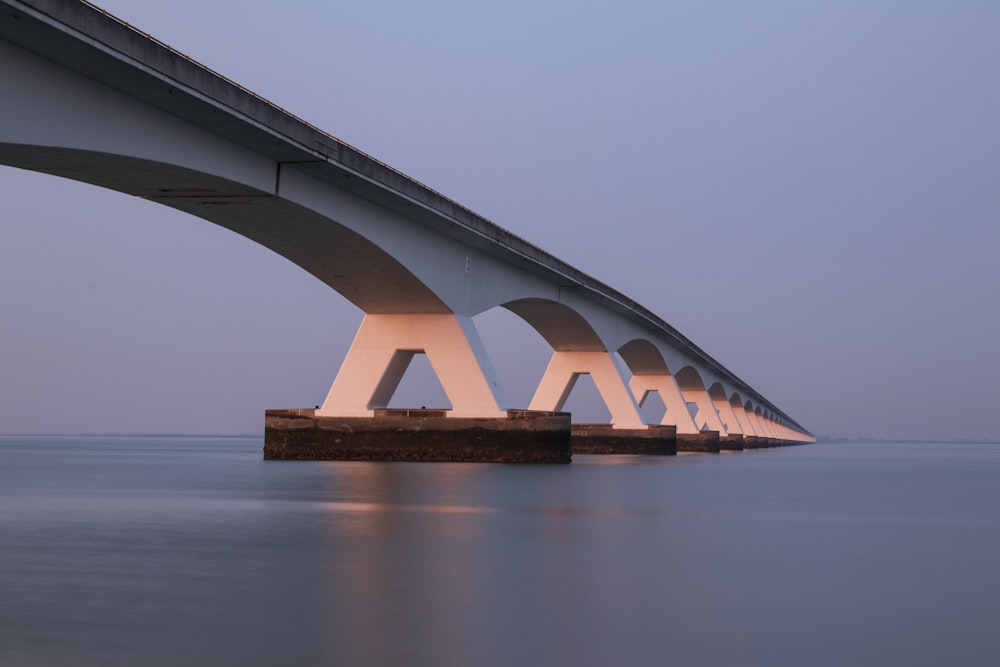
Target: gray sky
(808, 190)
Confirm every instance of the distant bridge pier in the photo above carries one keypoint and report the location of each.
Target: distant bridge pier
(688, 436)
(566, 367)
(725, 410)
(732, 438)
(677, 414)
(751, 437)
(693, 390)
(754, 423)
(765, 420)
(627, 433)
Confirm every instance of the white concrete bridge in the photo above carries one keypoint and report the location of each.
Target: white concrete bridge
(87, 97)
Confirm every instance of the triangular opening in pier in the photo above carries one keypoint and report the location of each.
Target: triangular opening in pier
(585, 402)
(420, 387)
(652, 408)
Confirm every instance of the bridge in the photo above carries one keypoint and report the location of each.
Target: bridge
(90, 98)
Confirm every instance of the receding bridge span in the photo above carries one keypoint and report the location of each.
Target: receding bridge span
(90, 98)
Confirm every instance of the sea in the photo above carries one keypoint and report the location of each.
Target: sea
(191, 551)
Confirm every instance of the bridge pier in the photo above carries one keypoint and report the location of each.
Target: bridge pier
(677, 415)
(654, 439)
(704, 442)
(733, 442)
(382, 351)
(694, 391)
(566, 367)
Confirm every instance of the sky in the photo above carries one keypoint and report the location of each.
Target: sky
(810, 191)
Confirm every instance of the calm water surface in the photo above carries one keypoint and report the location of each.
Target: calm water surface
(194, 551)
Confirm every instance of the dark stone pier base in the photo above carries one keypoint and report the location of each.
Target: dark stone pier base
(524, 436)
(706, 441)
(752, 442)
(731, 443)
(604, 439)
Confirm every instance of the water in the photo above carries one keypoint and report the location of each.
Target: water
(194, 551)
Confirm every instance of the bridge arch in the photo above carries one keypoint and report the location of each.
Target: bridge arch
(365, 274)
(717, 392)
(643, 358)
(561, 326)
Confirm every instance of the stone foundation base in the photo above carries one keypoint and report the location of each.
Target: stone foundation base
(524, 436)
(655, 439)
(731, 443)
(706, 441)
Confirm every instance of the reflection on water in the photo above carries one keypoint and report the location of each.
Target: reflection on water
(166, 551)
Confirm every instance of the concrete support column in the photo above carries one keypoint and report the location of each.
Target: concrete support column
(382, 351)
(757, 423)
(706, 411)
(725, 411)
(741, 417)
(748, 421)
(782, 431)
(766, 425)
(677, 412)
(565, 367)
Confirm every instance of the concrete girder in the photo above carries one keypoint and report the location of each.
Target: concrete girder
(466, 279)
(74, 113)
(84, 131)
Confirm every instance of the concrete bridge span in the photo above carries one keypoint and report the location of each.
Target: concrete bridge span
(89, 98)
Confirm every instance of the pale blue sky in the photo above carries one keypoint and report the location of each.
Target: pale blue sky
(808, 190)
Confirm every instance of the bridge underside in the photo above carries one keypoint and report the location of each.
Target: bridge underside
(361, 271)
